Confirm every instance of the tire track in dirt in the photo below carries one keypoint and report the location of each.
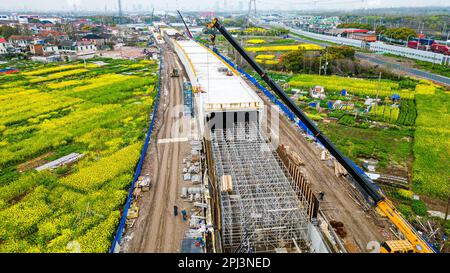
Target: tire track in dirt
(151, 234)
(171, 179)
(360, 227)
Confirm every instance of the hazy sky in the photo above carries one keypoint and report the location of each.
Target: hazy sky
(145, 5)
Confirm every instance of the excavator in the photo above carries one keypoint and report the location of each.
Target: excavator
(413, 242)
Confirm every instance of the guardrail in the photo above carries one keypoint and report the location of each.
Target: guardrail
(333, 39)
(428, 56)
(137, 173)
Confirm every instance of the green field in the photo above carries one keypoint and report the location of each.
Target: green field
(431, 171)
(421, 116)
(49, 111)
(388, 146)
(360, 87)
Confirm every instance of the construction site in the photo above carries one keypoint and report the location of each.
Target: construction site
(246, 177)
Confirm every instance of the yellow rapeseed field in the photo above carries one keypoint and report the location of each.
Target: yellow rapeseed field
(283, 47)
(256, 41)
(265, 57)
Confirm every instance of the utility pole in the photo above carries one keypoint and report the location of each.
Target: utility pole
(446, 210)
(326, 61)
(120, 12)
(378, 90)
(320, 63)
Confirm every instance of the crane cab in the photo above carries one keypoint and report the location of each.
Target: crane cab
(396, 246)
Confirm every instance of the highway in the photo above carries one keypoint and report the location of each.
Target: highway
(392, 65)
(413, 71)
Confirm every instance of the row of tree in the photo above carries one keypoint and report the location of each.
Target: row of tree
(333, 60)
(7, 31)
(398, 33)
(302, 61)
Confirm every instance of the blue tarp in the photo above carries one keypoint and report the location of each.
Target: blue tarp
(330, 105)
(395, 96)
(188, 246)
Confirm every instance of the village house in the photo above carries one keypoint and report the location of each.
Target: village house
(81, 47)
(3, 46)
(52, 35)
(44, 49)
(21, 41)
(98, 40)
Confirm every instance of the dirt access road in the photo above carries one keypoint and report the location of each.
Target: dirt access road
(339, 202)
(157, 229)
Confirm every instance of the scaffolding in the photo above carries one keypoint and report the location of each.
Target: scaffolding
(262, 212)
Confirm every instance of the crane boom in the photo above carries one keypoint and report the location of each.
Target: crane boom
(419, 244)
(383, 203)
(344, 161)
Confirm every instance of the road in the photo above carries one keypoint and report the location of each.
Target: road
(412, 71)
(371, 57)
(157, 229)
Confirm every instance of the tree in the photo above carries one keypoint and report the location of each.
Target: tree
(86, 28)
(340, 52)
(380, 29)
(7, 31)
(294, 60)
(280, 31)
(355, 25)
(401, 33)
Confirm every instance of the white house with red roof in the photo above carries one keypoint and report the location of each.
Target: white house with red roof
(3, 45)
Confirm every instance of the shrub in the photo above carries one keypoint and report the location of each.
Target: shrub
(265, 56)
(256, 41)
(419, 207)
(405, 210)
(405, 194)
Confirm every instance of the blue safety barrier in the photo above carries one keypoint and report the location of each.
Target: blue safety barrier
(119, 232)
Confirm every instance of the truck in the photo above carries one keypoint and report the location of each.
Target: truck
(416, 45)
(174, 73)
(439, 48)
(424, 41)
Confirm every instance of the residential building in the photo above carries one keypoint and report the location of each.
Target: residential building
(3, 46)
(42, 49)
(81, 47)
(21, 41)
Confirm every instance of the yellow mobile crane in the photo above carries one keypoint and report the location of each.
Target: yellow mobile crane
(413, 240)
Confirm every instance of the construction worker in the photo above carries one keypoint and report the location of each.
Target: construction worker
(321, 195)
(175, 210)
(184, 214)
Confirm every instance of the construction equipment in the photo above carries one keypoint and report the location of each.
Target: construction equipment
(374, 193)
(188, 32)
(396, 246)
(174, 73)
